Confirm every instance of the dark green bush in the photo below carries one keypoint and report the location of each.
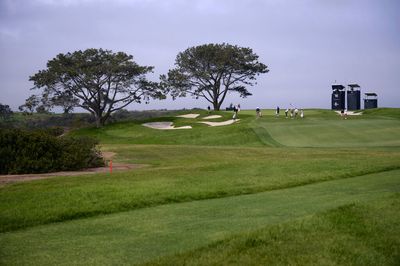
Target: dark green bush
(80, 152)
(40, 151)
(54, 131)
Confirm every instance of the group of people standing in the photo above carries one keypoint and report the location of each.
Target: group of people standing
(293, 112)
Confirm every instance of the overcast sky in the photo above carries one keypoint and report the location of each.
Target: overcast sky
(307, 44)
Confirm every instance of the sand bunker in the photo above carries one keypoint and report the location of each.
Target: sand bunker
(189, 116)
(349, 113)
(164, 125)
(212, 117)
(223, 123)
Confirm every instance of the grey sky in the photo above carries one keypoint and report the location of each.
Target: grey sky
(307, 44)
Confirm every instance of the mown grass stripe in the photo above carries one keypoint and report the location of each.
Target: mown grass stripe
(181, 174)
(265, 137)
(366, 233)
(145, 234)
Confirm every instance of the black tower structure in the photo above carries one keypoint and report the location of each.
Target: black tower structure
(370, 100)
(353, 97)
(338, 97)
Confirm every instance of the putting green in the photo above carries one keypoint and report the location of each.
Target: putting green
(317, 132)
(144, 234)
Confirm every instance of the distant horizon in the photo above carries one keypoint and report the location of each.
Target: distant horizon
(202, 104)
(282, 109)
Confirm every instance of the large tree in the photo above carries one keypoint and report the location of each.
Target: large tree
(212, 70)
(96, 80)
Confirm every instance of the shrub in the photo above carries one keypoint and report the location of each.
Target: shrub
(53, 131)
(40, 151)
(80, 152)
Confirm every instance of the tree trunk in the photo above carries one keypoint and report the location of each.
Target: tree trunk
(216, 106)
(99, 119)
(219, 105)
(98, 122)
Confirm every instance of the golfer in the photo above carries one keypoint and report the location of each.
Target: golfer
(235, 112)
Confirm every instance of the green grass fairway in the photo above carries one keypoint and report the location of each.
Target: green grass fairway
(353, 234)
(206, 193)
(140, 235)
(179, 174)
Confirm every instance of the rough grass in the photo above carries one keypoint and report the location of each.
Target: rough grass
(353, 234)
(141, 235)
(179, 174)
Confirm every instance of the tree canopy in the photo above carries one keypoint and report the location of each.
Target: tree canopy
(211, 71)
(5, 111)
(30, 104)
(96, 80)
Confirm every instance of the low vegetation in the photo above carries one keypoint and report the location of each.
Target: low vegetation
(141, 235)
(27, 152)
(317, 190)
(180, 174)
(353, 234)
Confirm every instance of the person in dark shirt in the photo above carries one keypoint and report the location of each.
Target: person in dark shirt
(235, 112)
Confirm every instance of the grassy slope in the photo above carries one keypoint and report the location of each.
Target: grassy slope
(336, 133)
(141, 235)
(216, 171)
(224, 161)
(319, 128)
(353, 234)
(375, 128)
(178, 174)
(383, 112)
(201, 134)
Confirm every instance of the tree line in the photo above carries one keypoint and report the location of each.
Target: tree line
(103, 82)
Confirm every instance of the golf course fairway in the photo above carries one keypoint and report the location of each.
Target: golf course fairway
(276, 191)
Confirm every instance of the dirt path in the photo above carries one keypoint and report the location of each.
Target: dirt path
(7, 179)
